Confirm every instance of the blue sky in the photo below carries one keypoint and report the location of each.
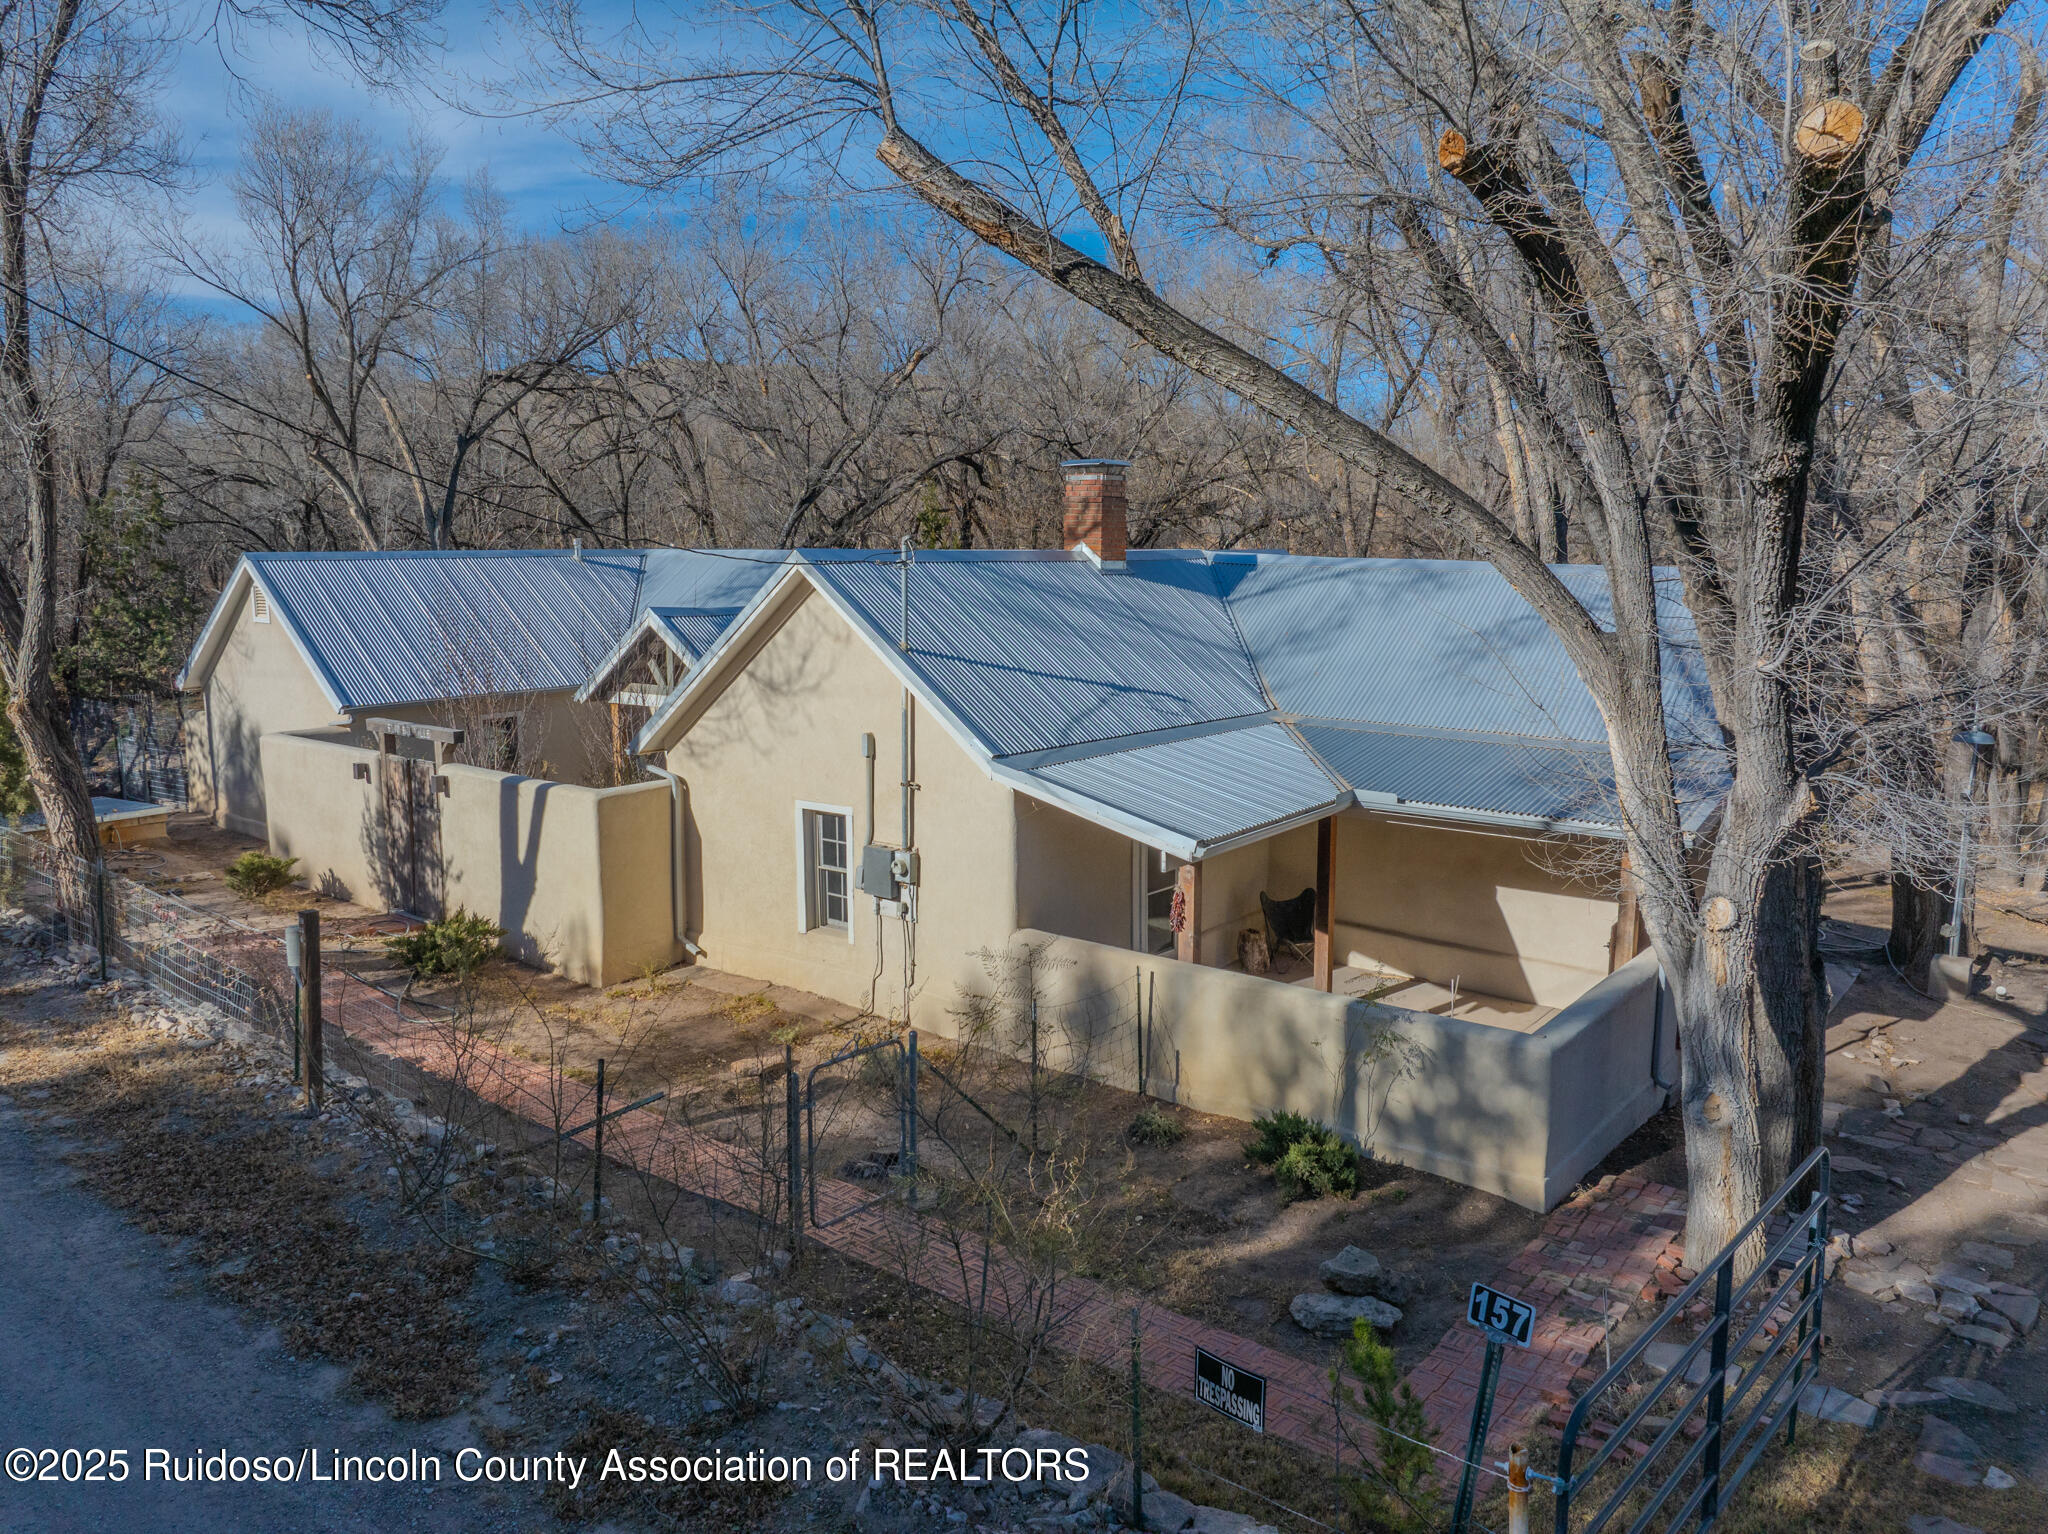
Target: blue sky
(535, 168)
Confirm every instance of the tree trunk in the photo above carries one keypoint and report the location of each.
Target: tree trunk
(1752, 1010)
(1918, 911)
(1789, 996)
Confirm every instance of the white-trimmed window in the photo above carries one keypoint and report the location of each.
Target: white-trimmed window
(825, 864)
(259, 605)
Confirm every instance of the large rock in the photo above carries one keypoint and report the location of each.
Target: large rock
(1355, 1271)
(2023, 1310)
(1949, 1454)
(1332, 1315)
(1975, 1392)
(1936, 1523)
(1103, 1466)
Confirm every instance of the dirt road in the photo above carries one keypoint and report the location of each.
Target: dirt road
(108, 1341)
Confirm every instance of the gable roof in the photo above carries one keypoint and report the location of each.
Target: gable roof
(1199, 701)
(384, 629)
(686, 632)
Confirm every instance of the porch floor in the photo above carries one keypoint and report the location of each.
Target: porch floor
(1416, 995)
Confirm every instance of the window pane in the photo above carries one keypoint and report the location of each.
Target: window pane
(832, 841)
(829, 870)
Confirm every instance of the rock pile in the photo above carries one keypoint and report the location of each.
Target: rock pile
(1357, 1287)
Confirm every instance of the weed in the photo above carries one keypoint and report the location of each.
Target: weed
(256, 874)
(1155, 1126)
(750, 1008)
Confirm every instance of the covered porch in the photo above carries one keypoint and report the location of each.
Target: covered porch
(1489, 925)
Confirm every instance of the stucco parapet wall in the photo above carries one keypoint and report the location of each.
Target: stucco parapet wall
(1521, 1115)
(578, 877)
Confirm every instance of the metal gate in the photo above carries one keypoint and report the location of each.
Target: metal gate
(860, 1128)
(1737, 1416)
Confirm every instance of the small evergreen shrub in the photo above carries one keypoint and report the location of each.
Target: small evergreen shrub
(256, 874)
(1308, 1159)
(1273, 1133)
(454, 945)
(1155, 1126)
(1322, 1167)
(1399, 1493)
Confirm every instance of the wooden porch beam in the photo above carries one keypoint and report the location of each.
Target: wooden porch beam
(1326, 873)
(1187, 943)
(1630, 937)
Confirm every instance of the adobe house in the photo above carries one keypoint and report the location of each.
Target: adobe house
(505, 639)
(1065, 739)
(867, 772)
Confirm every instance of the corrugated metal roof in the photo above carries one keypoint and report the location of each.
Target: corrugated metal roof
(696, 629)
(1436, 643)
(1037, 653)
(394, 628)
(706, 580)
(1209, 788)
(1569, 783)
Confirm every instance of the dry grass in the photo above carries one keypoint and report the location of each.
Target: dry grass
(700, 1505)
(191, 1152)
(1836, 1478)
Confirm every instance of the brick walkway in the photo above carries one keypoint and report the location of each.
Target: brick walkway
(1597, 1256)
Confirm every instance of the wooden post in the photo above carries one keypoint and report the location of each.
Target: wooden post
(1187, 943)
(1326, 873)
(1629, 937)
(309, 1008)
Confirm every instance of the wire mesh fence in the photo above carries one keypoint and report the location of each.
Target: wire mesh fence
(133, 748)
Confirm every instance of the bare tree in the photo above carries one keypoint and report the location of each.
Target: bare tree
(349, 249)
(1689, 195)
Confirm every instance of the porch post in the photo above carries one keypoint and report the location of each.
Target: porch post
(1326, 872)
(1629, 936)
(1187, 943)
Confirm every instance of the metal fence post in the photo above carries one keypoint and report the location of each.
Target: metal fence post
(793, 1116)
(1475, 1446)
(99, 913)
(1717, 1390)
(312, 1052)
(1137, 1430)
(910, 1137)
(1518, 1490)
(1138, 1015)
(597, 1164)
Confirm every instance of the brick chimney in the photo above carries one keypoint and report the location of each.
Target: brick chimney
(1095, 508)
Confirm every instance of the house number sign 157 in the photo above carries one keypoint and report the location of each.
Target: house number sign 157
(1501, 1316)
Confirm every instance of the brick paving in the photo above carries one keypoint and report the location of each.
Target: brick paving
(1597, 1256)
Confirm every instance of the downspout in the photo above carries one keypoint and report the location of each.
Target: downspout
(677, 900)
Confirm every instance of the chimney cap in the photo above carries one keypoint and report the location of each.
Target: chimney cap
(1096, 463)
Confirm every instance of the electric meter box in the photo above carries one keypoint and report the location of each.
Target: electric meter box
(878, 872)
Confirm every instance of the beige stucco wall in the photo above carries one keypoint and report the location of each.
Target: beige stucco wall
(1073, 876)
(550, 730)
(1483, 909)
(579, 878)
(786, 730)
(259, 685)
(1521, 1115)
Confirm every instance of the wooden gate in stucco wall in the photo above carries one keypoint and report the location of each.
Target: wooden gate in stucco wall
(408, 857)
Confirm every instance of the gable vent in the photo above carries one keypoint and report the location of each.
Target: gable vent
(259, 606)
